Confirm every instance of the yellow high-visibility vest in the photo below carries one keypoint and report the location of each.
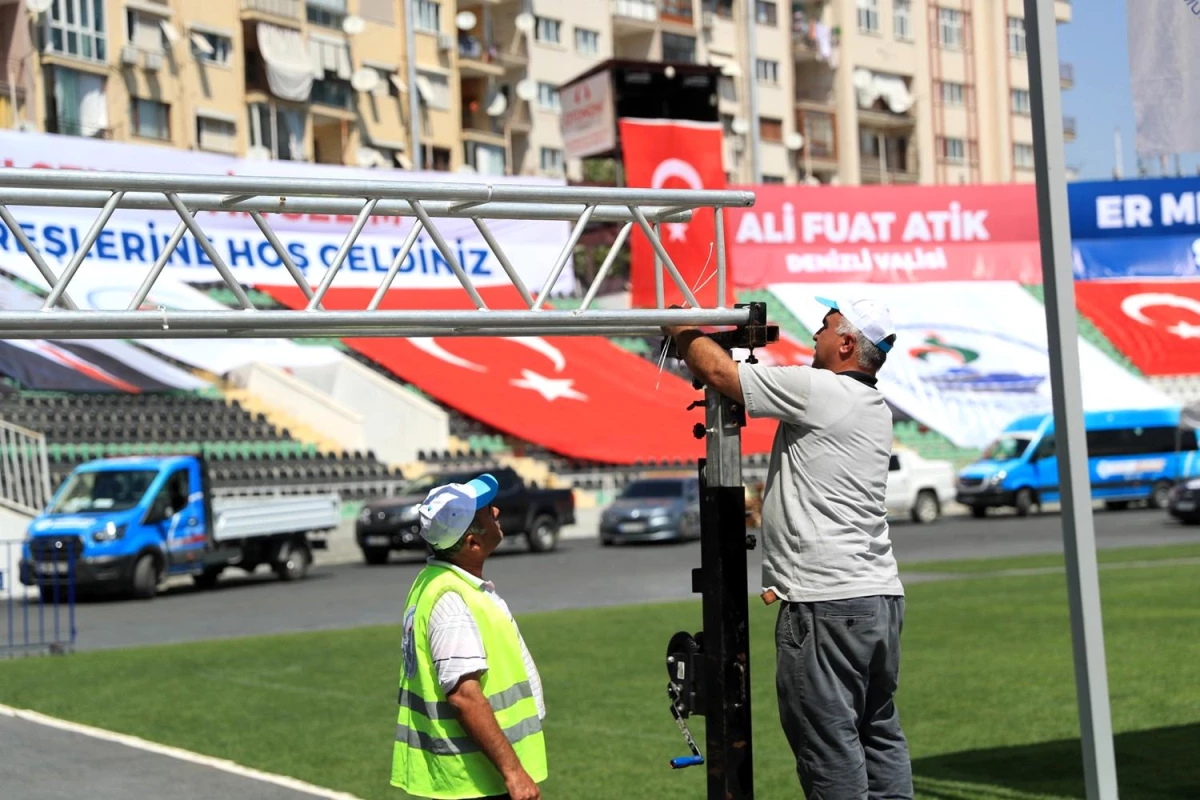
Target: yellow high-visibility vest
(433, 755)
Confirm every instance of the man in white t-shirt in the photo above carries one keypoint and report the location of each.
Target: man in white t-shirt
(826, 551)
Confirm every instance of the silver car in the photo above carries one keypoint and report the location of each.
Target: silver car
(653, 510)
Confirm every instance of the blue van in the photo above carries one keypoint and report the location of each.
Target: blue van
(1132, 455)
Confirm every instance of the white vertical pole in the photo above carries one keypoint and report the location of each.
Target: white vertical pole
(1118, 156)
(1079, 536)
(753, 135)
(414, 101)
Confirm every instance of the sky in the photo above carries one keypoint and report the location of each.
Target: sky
(1095, 43)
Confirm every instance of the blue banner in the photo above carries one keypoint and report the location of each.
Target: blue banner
(1141, 208)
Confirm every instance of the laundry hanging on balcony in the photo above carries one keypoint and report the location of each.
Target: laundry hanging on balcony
(874, 86)
(288, 62)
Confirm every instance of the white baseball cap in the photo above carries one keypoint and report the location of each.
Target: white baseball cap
(869, 316)
(448, 510)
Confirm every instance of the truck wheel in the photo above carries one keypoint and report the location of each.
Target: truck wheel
(1025, 501)
(926, 509)
(144, 584)
(375, 555)
(1160, 496)
(294, 561)
(543, 534)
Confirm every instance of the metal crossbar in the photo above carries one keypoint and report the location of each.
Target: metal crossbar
(187, 195)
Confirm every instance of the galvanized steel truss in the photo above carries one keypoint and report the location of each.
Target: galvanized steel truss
(186, 195)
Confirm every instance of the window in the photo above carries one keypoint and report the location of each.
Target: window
(1023, 156)
(587, 43)
(952, 149)
(487, 159)
(722, 8)
(819, 137)
(429, 16)
(216, 134)
(770, 129)
(280, 131)
(436, 158)
(766, 70)
(144, 31)
(435, 89)
(548, 31)
(727, 89)
(902, 20)
(79, 104)
(149, 119)
(76, 28)
(766, 12)
(868, 16)
(1021, 103)
(1016, 36)
(679, 10)
(326, 13)
(332, 91)
(211, 48)
(548, 97)
(680, 49)
(950, 28)
(953, 94)
(772, 178)
(552, 160)
(894, 152)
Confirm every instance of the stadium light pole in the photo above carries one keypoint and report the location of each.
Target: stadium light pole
(1079, 535)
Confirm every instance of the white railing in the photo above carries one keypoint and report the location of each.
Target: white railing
(636, 9)
(24, 469)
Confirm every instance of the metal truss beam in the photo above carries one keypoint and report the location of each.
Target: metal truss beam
(187, 195)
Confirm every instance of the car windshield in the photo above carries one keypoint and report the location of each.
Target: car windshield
(99, 492)
(1007, 447)
(658, 489)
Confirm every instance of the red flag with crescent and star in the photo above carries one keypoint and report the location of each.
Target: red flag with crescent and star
(676, 154)
(1156, 324)
(580, 396)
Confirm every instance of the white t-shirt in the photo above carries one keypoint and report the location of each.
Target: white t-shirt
(824, 515)
(454, 641)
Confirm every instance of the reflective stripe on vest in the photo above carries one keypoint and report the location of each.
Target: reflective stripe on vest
(458, 745)
(440, 709)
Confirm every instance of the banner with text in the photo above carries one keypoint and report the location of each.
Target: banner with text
(886, 234)
(972, 356)
(135, 239)
(675, 154)
(1155, 323)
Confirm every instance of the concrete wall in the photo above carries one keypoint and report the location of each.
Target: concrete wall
(304, 402)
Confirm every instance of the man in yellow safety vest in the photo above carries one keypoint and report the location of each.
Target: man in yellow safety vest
(471, 706)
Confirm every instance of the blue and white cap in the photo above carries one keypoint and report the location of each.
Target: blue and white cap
(869, 316)
(448, 510)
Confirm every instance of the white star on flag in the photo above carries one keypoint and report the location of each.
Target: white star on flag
(549, 388)
(1185, 330)
(676, 231)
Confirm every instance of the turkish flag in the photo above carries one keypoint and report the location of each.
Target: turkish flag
(675, 154)
(580, 396)
(1155, 323)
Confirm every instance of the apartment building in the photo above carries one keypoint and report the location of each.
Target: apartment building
(915, 91)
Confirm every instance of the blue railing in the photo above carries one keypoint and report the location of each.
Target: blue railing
(38, 597)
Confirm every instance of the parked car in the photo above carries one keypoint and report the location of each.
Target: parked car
(129, 523)
(653, 510)
(537, 514)
(1184, 502)
(919, 487)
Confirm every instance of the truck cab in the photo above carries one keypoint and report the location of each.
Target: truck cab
(121, 520)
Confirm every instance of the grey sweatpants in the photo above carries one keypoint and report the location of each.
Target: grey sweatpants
(837, 670)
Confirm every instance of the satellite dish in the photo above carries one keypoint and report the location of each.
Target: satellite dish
(352, 25)
(364, 80)
(740, 126)
(793, 141)
(524, 21)
(39, 6)
(527, 90)
(465, 21)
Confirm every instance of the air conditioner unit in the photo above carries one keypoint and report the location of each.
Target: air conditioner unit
(446, 41)
(129, 56)
(153, 62)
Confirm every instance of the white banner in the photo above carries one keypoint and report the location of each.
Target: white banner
(588, 117)
(1163, 38)
(970, 357)
(134, 239)
(101, 290)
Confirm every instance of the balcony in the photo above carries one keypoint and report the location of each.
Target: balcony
(818, 125)
(479, 126)
(478, 57)
(872, 174)
(805, 47)
(1068, 129)
(1066, 75)
(633, 16)
(514, 55)
(292, 11)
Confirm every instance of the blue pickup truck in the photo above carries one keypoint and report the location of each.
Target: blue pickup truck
(126, 524)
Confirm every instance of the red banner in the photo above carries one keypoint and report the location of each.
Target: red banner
(674, 154)
(1155, 323)
(886, 234)
(580, 396)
